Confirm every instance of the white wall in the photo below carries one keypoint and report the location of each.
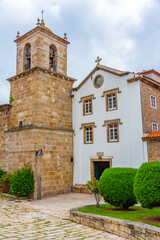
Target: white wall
(130, 150)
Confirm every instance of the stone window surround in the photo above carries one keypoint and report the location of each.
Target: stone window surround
(86, 98)
(99, 75)
(154, 123)
(110, 92)
(84, 126)
(151, 102)
(109, 122)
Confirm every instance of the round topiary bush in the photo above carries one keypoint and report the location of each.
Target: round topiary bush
(116, 186)
(22, 182)
(147, 185)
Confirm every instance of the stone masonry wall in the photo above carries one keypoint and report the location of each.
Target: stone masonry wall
(24, 105)
(55, 167)
(41, 99)
(149, 114)
(153, 147)
(54, 104)
(40, 41)
(123, 228)
(4, 122)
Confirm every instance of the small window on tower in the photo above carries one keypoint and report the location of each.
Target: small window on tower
(27, 57)
(154, 126)
(52, 58)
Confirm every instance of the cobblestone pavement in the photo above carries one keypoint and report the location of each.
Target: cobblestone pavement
(46, 219)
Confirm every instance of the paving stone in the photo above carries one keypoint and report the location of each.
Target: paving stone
(43, 219)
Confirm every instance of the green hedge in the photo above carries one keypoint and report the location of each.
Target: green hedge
(116, 186)
(147, 185)
(22, 182)
(2, 172)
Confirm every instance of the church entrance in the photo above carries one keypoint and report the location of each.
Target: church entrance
(98, 166)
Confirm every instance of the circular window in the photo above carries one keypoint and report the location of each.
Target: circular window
(98, 81)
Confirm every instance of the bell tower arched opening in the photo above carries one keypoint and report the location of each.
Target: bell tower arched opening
(27, 57)
(52, 58)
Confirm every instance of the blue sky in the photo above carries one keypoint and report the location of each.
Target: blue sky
(125, 34)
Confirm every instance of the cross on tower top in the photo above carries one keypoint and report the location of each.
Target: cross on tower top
(42, 21)
(42, 14)
(98, 60)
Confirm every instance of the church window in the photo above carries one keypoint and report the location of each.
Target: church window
(112, 129)
(111, 101)
(98, 81)
(154, 126)
(153, 102)
(87, 106)
(88, 134)
(111, 97)
(113, 132)
(52, 58)
(27, 57)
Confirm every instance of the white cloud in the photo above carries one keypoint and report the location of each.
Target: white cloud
(112, 29)
(128, 12)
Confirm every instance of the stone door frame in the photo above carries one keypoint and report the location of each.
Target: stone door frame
(98, 160)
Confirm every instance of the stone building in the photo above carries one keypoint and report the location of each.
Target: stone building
(40, 117)
(104, 122)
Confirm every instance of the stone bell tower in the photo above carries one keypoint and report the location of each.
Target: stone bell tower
(41, 47)
(41, 114)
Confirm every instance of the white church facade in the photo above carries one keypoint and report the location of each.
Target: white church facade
(109, 120)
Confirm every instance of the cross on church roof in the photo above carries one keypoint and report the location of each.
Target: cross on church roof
(98, 60)
(42, 14)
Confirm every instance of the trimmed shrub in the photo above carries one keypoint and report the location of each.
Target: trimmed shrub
(5, 183)
(2, 172)
(116, 186)
(22, 182)
(147, 185)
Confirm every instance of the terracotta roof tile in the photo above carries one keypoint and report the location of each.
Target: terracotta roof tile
(152, 135)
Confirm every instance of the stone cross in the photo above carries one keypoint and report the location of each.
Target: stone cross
(98, 60)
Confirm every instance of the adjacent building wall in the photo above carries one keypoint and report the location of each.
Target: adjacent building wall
(153, 150)
(149, 114)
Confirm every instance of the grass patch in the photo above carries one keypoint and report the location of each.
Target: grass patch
(136, 214)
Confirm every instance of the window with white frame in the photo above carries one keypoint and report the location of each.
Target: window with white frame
(88, 134)
(113, 135)
(87, 106)
(154, 126)
(153, 101)
(111, 101)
